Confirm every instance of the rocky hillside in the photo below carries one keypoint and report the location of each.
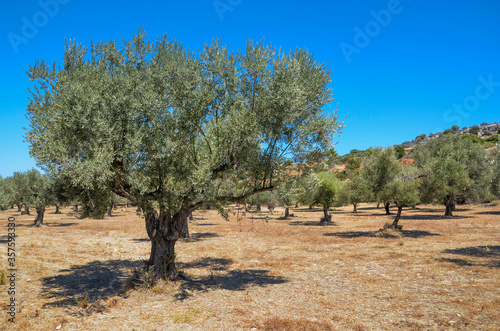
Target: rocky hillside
(483, 131)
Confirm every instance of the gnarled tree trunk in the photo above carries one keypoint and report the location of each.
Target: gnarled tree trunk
(57, 210)
(394, 224)
(327, 219)
(287, 212)
(449, 202)
(386, 206)
(355, 210)
(164, 230)
(40, 211)
(19, 207)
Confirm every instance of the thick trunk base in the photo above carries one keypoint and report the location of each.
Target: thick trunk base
(449, 202)
(326, 219)
(162, 258)
(39, 217)
(164, 230)
(395, 225)
(287, 212)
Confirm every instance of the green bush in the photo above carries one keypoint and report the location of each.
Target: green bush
(475, 129)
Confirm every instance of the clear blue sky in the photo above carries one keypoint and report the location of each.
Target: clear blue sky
(399, 68)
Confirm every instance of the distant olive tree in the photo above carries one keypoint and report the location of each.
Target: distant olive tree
(325, 195)
(6, 194)
(173, 130)
(403, 191)
(456, 170)
(495, 183)
(378, 171)
(354, 191)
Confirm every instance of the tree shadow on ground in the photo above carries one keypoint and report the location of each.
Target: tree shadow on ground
(306, 210)
(485, 256)
(205, 224)
(57, 225)
(477, 251)
(312, 223)
(381, 234)
(141, 240)
(222, 278)
(31, 224)
(4, 239)
(200, 236)
(489, 213)
(95, 280)
(432, 217)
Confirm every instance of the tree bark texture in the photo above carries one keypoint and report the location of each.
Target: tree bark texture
(287, 212)
(449, 202)
(164, 230)
(40, 211)
(57, 210)
(355, 210)
(394, 224)
(327, 219)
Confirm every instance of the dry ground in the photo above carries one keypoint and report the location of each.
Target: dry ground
(262, 272)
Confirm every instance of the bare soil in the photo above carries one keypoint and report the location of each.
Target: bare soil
(259, 271)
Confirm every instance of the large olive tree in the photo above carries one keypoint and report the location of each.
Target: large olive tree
(171, 129)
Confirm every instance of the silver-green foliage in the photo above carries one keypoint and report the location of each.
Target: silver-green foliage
(456, 169)
(155, 121)
(6, 193)
(495, 187)
(171, 129)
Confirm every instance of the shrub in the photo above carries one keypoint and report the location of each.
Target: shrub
(475, 130)
(475, 139)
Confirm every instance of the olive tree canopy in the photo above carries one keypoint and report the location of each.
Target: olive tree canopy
(171, 129)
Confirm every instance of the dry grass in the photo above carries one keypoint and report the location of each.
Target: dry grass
(263, 272)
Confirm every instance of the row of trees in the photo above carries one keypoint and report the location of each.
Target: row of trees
(173, 130)
(447, 171)
(31, 189)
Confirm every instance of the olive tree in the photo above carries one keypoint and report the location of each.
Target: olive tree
(36, 193)
(456, 170)
(379, 170)
(325, 195)
(403, 191)
(355, 190)
(171, 129)
(6, 193)
(19, 187)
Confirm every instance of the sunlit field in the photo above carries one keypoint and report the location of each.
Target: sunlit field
(259, 271)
